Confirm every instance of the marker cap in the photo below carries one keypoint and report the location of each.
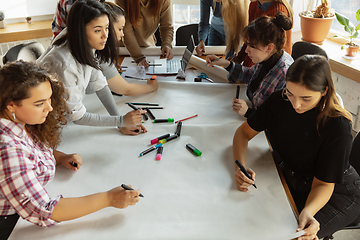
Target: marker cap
(193, 149)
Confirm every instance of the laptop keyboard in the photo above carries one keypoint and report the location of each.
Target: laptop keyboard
(173, 65)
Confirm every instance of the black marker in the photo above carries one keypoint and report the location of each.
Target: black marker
(237, 91)
(126, 187)
(156, 107)
(150, 149)
(156, 140)
(244, 171)
(163, 120)
(172, 137)
(147, 104)
(145, 116)
(151, 115)
(193, 149)
(132, 106)
(178, 129)
(74, 164)
(159, 153)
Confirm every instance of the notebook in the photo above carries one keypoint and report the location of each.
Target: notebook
(171, 67)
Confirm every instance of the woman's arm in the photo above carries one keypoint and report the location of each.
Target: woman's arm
(240, 145)
(118, 85)
(71, 208)
(70, 161)
(166, 27)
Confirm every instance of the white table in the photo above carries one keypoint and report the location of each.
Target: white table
(185, 197)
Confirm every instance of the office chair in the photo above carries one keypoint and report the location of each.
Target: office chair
(184, 32)
(27, 52)
(301, 48)
(355, 162)
(158, 38)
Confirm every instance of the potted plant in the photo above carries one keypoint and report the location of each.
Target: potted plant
(316, 24)
(28, 20)
(349, 27)
(2, 17)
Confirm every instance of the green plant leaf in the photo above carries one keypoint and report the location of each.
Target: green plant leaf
(358, 15)
(342, 19)
(357, 27)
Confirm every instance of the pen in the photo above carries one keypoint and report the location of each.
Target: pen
(217, 59)
(244, 171)
(147, 104)
(186, 118)
(150, 149)
(237, 91)
(126, 187)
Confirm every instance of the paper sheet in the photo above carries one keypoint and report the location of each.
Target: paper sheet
(177, 50)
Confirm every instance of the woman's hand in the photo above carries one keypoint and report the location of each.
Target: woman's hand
(200, 49)
(133, 130)
(121, 198)
(167, 53)
(212, 60)
(239, 106)
(242, 182)
(134, 117)
(154, 84)
(309, 225)
(144, 63)
(70, 161)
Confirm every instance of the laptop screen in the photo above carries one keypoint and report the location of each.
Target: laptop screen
(187, 54)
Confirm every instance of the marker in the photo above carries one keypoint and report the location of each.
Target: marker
(151, 115)
(147, 104)
(159, 153)
(193, 149)
(145, 116)
(150, 149)
(237, 91)
(186, 118)
(139, 78)
(156, 107)
(74, 164)
(178, 129)
(163, 120)
(156, 140)
(244, 171)
(123, 66)
(126, 187)
(155, 64)
(168, 139)
(217, 59)
(132, 106)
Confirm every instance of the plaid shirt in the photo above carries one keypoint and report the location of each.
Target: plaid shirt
(273, 80)
(61, 13)
(25, 168)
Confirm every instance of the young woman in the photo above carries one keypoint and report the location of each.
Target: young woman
(75, 56)
(229, 19)
(32, 114)
(265, 40)
(143, 19)
(259, 8)
(117, 84)
(311, 133)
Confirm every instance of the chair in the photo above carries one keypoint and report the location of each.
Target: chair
(158, 38)
(354, 160)
(27, 52)
(184, 32)
(301, 48)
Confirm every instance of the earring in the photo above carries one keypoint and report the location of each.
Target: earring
(13, 115)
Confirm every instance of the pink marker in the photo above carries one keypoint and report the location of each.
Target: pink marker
(156, 140)
(159, 153)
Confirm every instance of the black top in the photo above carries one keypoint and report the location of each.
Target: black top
(323, 154)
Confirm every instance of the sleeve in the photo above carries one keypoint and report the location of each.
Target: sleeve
(23, 191)
(204, 25)
(93, 119)
(131, 42)
(334, 151)
(166, 27)
(108, 101)
(59, 21)
(109, 71)
(240, 73)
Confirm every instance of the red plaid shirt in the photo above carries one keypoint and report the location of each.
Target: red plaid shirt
(25, 168)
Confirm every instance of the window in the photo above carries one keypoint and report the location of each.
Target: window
(346, 7)
(23, 8)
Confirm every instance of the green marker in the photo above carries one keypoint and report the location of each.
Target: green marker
(193, 149)
(163, 120)
(168, 139)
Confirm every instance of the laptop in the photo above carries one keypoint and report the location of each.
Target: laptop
(171, 67)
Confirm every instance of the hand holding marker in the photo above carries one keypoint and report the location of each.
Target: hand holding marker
(237, 92)
(126, 187)
(242, 168)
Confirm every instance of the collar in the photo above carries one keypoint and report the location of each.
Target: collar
(264, 6)
(273, 59)
(11, 127)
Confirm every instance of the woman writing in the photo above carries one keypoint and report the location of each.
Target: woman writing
(311, 133)
(75, 58)
(259, 8)
(32, 114)
(143, 19)
(265, 40)
(229, 19)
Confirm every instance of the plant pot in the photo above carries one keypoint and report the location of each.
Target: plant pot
(2, 24)
(352, 51)
(315, 30)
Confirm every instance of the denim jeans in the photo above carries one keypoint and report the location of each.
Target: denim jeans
(217, 39)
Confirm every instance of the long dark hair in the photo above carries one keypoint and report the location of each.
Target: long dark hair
(81, 13)
(313, 72)
(132, 9)
(265, 30)
(16, 78)
(115, 11)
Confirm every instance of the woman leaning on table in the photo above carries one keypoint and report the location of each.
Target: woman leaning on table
(265, 38)
(32, 114)
(75, 57)
(311, 134)
(143, 17)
